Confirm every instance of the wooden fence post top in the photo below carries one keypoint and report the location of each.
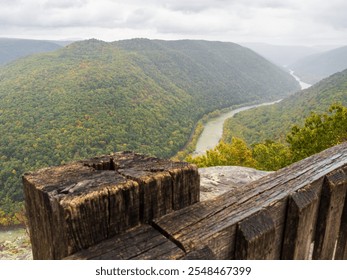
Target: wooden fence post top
(74, 206)
(77, 177)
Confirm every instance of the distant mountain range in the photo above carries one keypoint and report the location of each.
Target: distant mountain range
(285, 55)
(310, 64)
(12, 49)
(275, 121)
(93, 97)
(313, 68)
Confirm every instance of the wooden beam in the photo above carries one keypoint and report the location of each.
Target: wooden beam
(142, 242)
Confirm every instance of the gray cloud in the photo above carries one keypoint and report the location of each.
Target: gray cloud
(10, 2)
(139, 18)
(64, 4)
(44, 14)
(193, 6)
(274, 21)
(331, 13)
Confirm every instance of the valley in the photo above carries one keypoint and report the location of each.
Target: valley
(93, 97)
(213, 129)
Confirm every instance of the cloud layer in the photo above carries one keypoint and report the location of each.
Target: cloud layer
(274, 21)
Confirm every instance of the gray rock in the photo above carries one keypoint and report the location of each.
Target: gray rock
(217, 180)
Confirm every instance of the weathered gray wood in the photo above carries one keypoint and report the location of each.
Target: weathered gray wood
(277, 212)
(330, 212)
(300, 223)
(341, 248)
(142, 242)
(213, 223)
(75, 206)
(255, 238)
(70, 207)
(164, 185)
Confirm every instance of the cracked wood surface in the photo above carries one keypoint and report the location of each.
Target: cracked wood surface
(74, 206)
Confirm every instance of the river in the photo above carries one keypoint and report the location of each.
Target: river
(303, 85)
(213, 129)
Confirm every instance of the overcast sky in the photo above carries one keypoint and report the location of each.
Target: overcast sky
(286, 22)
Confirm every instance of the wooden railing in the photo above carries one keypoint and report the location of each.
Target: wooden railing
(127, 206)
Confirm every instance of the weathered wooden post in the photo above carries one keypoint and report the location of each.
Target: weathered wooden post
(330, 214)
(74, 206)
(255, 238)
(300, 222)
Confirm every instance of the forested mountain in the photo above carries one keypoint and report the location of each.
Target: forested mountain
(275, 121)
(217, 74)
(93, 97)
(313, 68)
(12, 49)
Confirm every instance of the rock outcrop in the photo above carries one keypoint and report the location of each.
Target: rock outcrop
(217, 180)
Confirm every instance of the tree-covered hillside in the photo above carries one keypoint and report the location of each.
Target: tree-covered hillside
(316, 67)
(216, 74)
(93, 97)
(275, 121)
(12, 49)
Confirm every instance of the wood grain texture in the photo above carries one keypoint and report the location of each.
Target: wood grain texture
(75, 206)
(204, 253)
(300, 223)
(330, 213)
(142, 242)
(255, 238)
(341, 247)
